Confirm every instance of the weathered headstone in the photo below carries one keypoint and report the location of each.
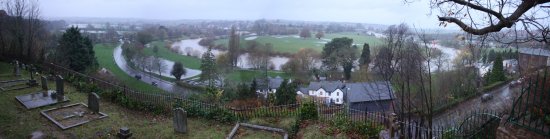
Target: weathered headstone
(32, 81)
(180, 120)
(16, 69)
(44, 83)
(93, 102)
(59, 88)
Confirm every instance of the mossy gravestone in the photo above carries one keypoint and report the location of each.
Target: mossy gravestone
(180, 120)
(93, 102)
(59, 88)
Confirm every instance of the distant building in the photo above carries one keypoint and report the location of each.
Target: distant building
(369, 96)
(332, 91)
(533, 58)
(270, 87)
(363, 96)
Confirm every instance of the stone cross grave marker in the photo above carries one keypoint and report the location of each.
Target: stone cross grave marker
(180, 120)
(59, 88)
(93, 102)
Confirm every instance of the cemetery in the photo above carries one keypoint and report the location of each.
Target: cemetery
(17, 121)
(20, 83)
(75, 114)
(44, 97)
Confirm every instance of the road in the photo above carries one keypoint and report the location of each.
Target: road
(162, 84)
(502, 100)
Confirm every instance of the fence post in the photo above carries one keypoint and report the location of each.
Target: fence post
(393, 124)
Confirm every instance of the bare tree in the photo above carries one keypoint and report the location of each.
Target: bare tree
(481, 17)
(20, 29)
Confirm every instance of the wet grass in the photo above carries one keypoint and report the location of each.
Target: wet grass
(314, 132)
(291, 44)
(104, 55)
(18, 122)
(187, 61)
(249, 75)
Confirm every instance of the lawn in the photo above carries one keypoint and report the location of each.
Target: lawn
(187, 61)
(104, 55)
(249, 75)
(17, 122)
(292, 44)
(238, 75)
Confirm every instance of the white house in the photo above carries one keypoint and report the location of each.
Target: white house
(333, 92)
(364, 96)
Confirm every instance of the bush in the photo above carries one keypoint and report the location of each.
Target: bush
(197, 109)
(344, 124)
(308, 111)
(294, 128)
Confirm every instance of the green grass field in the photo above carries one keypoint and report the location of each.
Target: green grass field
(187, 61)
(290, 44)
(104, 55)
(194, 63)
(249, 75)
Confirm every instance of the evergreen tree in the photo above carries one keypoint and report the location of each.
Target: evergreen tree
(253, 87)
(497, 73)
(178, 70)
(208, 67)
(365, 55)
(76, 51)
(243, 91)
(491, 56)
(339, 52)
(286, 93)
(155, 49)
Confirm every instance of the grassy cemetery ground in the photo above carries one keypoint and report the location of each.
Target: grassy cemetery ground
(17, 122)
(104, 55)
(291, 44)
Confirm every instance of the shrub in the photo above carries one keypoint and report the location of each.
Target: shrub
(363, 128)
(294, 128)
(308, 111)
(197, 109)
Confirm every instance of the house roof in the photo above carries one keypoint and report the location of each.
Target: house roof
(273, 83)
(535, 51)
(303, 89)
(369, 91)
(327, 85)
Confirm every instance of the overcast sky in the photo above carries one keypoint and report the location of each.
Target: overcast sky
(365, 11)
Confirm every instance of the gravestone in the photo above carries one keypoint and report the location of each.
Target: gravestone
(44, 83)
(93, 102)
(16, 69)
(44, 86)
(59, 88)
(32, 81)
(124, 133)
(180, 120)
